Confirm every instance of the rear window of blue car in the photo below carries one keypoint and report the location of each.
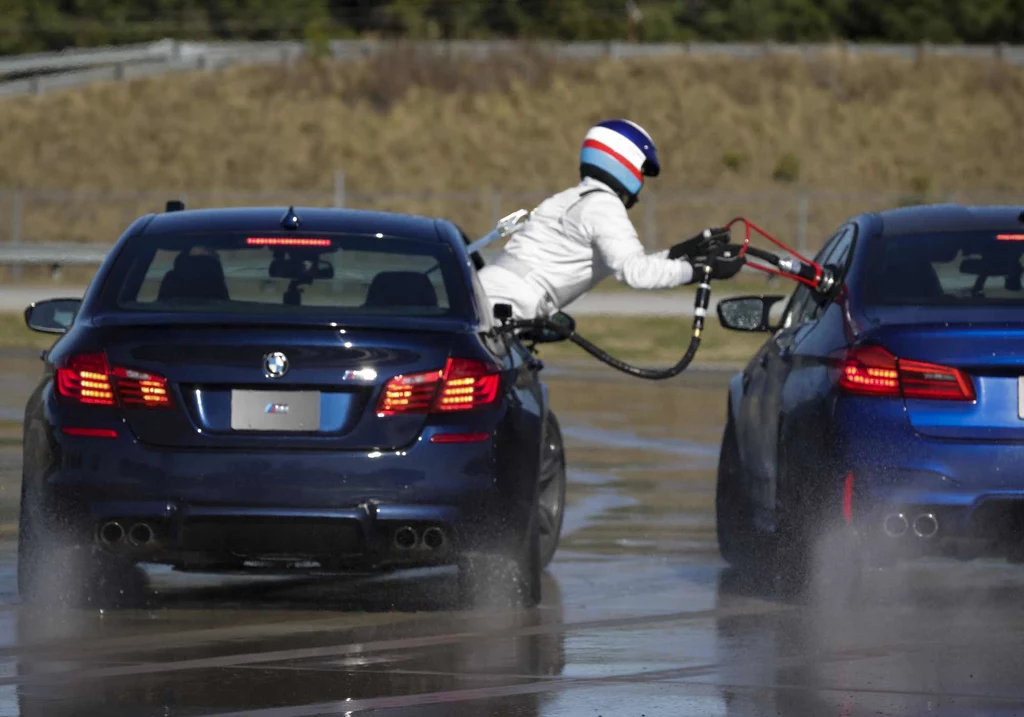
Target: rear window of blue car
(945, 269)
(329, 275)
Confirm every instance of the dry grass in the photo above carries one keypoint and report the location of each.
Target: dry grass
(407, 123)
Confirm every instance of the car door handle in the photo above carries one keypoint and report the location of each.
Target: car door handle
(763, 361)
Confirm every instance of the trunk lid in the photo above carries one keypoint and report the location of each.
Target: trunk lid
(258, 387)
(989, 349)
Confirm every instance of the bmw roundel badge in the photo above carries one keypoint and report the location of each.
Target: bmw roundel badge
(275, 365)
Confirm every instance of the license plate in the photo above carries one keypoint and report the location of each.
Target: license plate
(275, 410)
(1020, 397)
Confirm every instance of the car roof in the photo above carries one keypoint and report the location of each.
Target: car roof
(933, 218)
(311, 219)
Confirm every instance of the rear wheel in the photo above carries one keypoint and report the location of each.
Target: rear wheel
(53, 570)
(512, 577)
(733, 516)
(551, 491)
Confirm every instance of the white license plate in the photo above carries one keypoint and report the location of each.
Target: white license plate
(275, 410)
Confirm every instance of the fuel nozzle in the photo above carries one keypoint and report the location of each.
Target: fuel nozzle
(701, 301)
(822, 279)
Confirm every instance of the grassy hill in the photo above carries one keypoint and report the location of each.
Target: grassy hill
(403, 123)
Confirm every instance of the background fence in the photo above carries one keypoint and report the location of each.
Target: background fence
(44, 72)
(76, 224)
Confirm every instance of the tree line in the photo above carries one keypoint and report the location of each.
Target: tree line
(37, 25)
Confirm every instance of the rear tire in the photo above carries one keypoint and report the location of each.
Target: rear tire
(551, 490)
(733, 516)
(511, 578)
(54, 571)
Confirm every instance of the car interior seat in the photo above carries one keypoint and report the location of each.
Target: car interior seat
(195, 277)
(394, 289)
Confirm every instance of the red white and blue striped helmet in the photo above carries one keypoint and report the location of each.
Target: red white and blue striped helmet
(619, 153)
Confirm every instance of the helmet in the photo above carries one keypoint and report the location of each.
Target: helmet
(619, 153)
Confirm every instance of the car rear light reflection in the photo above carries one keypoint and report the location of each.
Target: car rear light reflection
(89, 432)
(874, 371)
(459, 437)
(89, 379)
(462, 385)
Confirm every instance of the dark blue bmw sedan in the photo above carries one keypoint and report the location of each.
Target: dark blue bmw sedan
(884, 419)
(287, 389)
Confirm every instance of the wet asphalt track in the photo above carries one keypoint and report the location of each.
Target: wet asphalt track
(639, 617)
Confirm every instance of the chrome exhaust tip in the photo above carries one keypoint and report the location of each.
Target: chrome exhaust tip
(140, 534)
(925, 525)
(433, 538)
(111, 533)
(405, 538)
(895, 525)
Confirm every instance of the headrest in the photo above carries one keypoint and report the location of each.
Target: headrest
(401, 288)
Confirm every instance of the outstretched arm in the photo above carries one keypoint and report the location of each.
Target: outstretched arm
(616, 242)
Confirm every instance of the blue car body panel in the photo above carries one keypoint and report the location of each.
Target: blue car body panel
(800, 436)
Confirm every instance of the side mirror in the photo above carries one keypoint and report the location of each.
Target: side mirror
(547, 336)
(747, 313)
(53, 316)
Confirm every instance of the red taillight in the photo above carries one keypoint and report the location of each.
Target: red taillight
(467, 384)
(873, 371)
(86, 379)
(409, 394)
(137, 388)
(463, 384)
(89, 379)
(870, 371)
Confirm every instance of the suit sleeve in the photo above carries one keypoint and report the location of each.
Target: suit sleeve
(616, 243)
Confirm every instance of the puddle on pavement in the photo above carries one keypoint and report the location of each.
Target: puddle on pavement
(642, 457)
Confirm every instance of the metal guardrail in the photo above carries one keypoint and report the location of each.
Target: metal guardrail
(77, 67)
(52, 254)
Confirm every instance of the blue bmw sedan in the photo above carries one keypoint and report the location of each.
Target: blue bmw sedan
(889, 410)
(287, 390)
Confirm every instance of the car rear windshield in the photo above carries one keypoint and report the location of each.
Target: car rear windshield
(947, 269)
(326, 275)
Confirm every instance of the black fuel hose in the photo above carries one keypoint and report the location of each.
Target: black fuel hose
(700, 309)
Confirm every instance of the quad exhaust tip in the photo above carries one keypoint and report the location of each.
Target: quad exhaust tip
(111, 532)
(405, 538)
(926, 525)
(433, 538)
(140, 534)
(895, 525)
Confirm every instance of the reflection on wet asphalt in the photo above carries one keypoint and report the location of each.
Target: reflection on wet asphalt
(639, 616)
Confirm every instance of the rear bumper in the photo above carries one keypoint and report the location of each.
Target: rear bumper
(421, 506)
(963, 495)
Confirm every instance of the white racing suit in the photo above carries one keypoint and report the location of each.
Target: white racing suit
(572, 241)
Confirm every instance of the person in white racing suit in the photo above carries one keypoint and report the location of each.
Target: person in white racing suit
(577, 238)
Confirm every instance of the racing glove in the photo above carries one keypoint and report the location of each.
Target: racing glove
(699, 245)
(725, 262)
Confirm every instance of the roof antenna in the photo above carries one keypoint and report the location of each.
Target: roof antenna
(290, 220)
(174, 205)
(1020, 217)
